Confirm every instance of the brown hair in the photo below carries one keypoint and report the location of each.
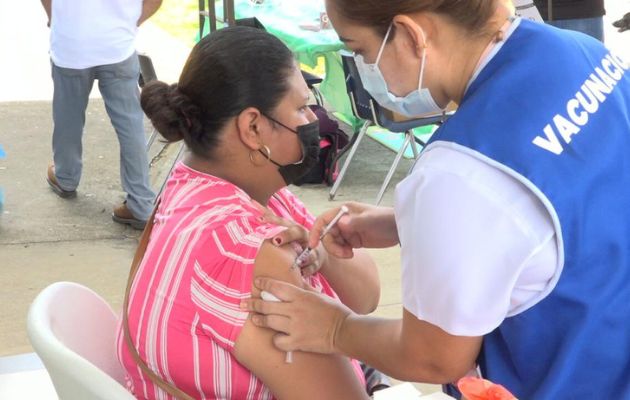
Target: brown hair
(471, 15)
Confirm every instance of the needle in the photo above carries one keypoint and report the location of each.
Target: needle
(307, 251)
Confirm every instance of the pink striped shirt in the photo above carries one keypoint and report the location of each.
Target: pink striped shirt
(184, 313)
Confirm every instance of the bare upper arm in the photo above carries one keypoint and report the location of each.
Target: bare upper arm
(309, 376)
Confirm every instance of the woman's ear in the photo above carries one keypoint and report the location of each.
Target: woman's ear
(248, 123)
(415, 30)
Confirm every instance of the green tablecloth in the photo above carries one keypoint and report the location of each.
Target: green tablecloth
(283, 18)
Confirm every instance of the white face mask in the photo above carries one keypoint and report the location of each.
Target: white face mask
(416, 103)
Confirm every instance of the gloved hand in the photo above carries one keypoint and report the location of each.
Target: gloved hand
(623, 24)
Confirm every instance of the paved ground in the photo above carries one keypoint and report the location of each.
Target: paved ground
(44, 239)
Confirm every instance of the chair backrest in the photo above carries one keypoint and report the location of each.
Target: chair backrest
(365, 107)
(360, 99)
(73, 330)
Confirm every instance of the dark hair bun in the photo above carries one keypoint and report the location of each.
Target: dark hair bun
(171, 112)
(227, 72)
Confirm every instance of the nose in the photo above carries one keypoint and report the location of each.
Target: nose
(310, 115)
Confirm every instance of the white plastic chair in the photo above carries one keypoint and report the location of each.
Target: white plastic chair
(73, 330)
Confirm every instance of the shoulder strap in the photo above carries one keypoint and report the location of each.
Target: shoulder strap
(142, 247)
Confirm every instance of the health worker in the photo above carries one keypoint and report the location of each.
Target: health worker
(514, 224)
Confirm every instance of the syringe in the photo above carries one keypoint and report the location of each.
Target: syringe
(307, 251)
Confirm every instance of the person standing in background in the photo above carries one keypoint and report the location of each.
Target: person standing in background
(91, 40)
(586, 16)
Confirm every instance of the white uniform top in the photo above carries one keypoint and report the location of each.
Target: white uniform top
(477, 245)
(87, 33)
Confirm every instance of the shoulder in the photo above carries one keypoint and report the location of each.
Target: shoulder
(277, 262)
(287, 205)
(218, 215)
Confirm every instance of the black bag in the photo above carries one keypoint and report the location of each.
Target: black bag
(332, 140)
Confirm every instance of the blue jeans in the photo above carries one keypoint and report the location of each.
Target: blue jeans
(118, 83)
(591, 26)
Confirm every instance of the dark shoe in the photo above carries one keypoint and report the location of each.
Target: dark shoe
(54, 185)
(123, 215)
(623, 24)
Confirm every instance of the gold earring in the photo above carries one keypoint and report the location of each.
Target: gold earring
(266, 153)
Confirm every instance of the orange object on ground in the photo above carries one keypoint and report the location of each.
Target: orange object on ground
(481, 389)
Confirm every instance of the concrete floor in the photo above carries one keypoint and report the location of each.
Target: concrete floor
(44, 239)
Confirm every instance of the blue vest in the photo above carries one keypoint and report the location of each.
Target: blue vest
(552, 108)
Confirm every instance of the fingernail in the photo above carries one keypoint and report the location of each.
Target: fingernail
(243, 305)
(256, 320)
(277, 241)
(257, 282)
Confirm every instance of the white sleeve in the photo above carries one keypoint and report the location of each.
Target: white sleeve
(470, 234)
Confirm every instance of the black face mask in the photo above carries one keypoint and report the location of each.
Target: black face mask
(308, 135)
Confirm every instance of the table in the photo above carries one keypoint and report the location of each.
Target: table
(283, 18)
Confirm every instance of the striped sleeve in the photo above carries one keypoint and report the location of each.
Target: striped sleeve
(222, 277)
(287, 205)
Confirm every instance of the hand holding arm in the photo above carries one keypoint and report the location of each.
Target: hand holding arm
(408, 349)
(309, 376)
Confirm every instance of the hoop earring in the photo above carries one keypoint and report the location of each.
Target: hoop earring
(266, 153)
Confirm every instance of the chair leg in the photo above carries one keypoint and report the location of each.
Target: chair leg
(344, 167)
(412, 142)
(415, 142)
(151, 138)
(179, 154)
(317, 94)
(392, 169)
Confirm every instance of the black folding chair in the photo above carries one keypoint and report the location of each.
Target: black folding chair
(367, 109)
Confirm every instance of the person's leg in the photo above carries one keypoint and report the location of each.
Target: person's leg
(118, 84)
(70, 98)
(590, 26)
